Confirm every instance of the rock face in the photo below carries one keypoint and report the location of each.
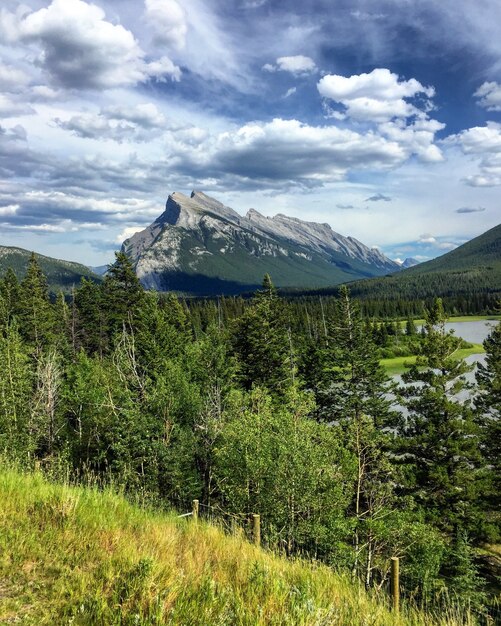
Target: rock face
(200, 246)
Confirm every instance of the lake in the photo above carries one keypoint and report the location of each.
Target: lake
(473, 332)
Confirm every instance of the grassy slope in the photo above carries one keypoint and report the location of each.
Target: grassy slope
(83, 557)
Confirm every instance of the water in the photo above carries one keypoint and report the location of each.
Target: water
(473, 332)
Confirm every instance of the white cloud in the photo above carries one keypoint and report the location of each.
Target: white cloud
(80, 49)
(378, 96)
(287, 153)
(168, 21)
(13, 107)
(426, 238)
(483, 142)
(490, 96)
(418, 137)
(43, 92)
(117, 123)
(297, 65)
(127, 233)
(290, 92)
(11, 78)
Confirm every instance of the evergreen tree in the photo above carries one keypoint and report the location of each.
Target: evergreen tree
(439, 438)
(354, 397)
(123, 295)
(10, 297)
(488, 402)
(36, 312)
(263, 344)
(89, 318)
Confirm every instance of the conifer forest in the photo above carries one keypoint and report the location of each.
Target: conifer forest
(272, 406)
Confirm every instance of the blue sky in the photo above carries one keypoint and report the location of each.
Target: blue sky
(380, 117)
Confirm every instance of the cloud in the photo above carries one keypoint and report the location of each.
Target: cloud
(117, 123)
(12, 78)
(483, 142)
(290, 92)
(368, 17)
(127, 233)
(298, 65)
(80, 49)
(379, 96)
(378, 198)
(426, 238)
(490, 96)
(286, 152)
(470, 210)
(430, 240)
(45, 93)
(168, 21)
(12, 106)
(345, 207)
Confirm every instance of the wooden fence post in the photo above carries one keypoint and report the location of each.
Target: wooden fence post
(195, 509)
(256, 528)
(395, 583)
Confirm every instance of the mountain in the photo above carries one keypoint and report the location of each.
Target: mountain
(409, 262)
(200, 246)
(472, 268)
(61, 275)
(100, 270)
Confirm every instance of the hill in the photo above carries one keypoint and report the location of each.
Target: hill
(61, 275)
(80, 556)
(200, 246)
(472, 269)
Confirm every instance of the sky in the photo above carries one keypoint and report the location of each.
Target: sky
(380, 117)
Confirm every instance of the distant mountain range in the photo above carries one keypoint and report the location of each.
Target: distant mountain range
(200, 246)
(472, 268)
(61, 275)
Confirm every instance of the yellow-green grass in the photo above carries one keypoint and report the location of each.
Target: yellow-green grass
(83, 557)
(397, 365)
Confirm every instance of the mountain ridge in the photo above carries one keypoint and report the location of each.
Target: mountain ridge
(472, 268)
(199, 236)
(61, 275)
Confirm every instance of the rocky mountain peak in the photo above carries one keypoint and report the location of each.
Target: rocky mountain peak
(199, 236)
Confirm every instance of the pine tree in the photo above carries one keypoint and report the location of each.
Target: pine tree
(354, 397)
(439, 439)
(123, 295)
(10, 296)
(36, 312)
(488, 402)
(263, 343)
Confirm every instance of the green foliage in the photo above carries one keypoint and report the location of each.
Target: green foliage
(61, 275)
(263, 344)
(266, 406)
(439, 437)
(279, 462)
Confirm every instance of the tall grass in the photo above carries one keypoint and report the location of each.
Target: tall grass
(81, 556)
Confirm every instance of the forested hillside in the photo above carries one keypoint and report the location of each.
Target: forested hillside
(471, 270)
(61, 275)
(263, 414)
